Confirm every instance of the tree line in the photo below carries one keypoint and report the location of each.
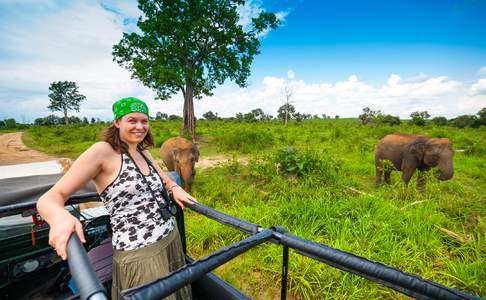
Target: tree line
(422, 118)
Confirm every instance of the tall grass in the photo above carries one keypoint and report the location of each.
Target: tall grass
(323, 190)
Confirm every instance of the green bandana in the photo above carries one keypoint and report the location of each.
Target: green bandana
(128, 105)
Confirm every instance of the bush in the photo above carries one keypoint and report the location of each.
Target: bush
(439, 121)
(291, 161)
(465, 121)
(419, 117)
(387, 119)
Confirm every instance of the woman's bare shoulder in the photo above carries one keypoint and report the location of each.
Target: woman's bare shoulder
(100, 149)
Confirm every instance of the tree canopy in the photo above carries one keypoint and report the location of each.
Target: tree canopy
(64, 96)
(190, 47)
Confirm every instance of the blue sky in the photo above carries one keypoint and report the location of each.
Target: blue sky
(337, 57)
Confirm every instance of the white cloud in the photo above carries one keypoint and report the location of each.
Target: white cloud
(75, 44)
(482, 71)
(252, 9)
(479, 88)
(438, 95)
(290, 74)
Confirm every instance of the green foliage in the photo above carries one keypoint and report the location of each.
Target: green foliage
(64, 97)
(368, 115)
(419, 117)
(10, 123)
(191, 47)
(386, 119)
(291, 161)
(286, 111)
(255, 115)
(210, 116)
(439, 121)
(465, 121)
(244, 140)
(161, 116)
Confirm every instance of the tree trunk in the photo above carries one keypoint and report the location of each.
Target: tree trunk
(286, 116)
(66, 119)
(189, 122)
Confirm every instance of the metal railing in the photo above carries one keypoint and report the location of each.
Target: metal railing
(406, 283)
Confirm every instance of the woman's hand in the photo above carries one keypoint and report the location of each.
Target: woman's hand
(62, 226)
(181, 196)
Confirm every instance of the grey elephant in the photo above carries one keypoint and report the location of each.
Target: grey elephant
(409, 152)
(180, 155)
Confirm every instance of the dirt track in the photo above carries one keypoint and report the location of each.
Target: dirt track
(13, 151)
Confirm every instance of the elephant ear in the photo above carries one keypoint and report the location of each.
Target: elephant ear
(175, 153)
(195, 151)
(417, 149)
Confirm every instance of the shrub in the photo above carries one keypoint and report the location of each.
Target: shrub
(419, 117)
(439, 121)
(291, 161)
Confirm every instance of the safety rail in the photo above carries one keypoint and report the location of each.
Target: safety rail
(406, 283)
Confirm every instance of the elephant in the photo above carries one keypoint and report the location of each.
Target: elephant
(409, 152)
(180, 155)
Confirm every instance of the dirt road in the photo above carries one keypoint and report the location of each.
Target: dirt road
(13, 151)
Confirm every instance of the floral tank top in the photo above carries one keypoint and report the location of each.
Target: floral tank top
(134, 214)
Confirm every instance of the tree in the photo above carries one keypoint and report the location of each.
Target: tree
(465, 121)
(368, 115)
(190, 47)
(439, 121)
(64, 96)
(285, 112)
(174, 117)
(386, 119)
(10, 123)
(482, 117)
(419, 117)
(288, 92)
(161, 116)
(210, 116)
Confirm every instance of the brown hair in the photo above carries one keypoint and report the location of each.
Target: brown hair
(111, 135)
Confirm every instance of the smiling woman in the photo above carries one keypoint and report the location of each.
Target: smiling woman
(133, 189)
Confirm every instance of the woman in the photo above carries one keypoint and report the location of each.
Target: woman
(145, 240)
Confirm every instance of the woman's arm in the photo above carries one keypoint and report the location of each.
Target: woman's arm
(180, 195)
(51, 205)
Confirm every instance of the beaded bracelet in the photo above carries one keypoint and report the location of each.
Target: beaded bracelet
(172, 186)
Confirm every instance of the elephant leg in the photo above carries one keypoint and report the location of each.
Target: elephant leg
(407, 175)
(378, 172)
(387, 176)
(421, 182)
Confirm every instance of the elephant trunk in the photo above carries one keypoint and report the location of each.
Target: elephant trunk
(187, 174)
(446, 171)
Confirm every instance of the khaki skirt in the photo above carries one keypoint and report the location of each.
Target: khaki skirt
(135, 267)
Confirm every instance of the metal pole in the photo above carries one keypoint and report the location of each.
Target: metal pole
(285, 270)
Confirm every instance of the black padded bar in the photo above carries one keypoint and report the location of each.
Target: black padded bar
(165, 286)
(19, 207)
(242, 225)
(82, 271)
(212, 287)
(403, 282)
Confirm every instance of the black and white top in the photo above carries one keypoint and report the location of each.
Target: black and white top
(134, 216)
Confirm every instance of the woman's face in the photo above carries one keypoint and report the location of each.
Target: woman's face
(133, 127)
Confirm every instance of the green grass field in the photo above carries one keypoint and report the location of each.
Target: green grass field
(332, 201)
